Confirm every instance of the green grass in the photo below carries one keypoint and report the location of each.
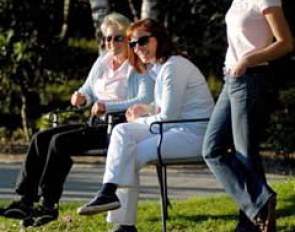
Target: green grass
(200, 214)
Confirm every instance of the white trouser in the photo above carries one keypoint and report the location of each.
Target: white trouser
(131, 147)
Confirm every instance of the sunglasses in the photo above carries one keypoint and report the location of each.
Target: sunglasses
(115, 38)
(141, 41)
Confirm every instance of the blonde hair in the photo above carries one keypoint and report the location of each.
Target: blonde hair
(122, 23)
(115, 19)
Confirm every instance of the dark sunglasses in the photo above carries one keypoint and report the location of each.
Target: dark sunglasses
(141, 41)
(116, 38)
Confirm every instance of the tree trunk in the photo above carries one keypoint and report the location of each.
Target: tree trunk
(24, 117)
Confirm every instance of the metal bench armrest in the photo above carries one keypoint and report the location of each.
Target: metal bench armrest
(54, 115)
(157, 128)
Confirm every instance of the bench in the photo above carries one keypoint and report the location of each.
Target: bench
(160, 163)
(109, 120)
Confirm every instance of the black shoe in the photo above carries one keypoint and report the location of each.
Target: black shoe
(266, 218)
(245, 224)
(99, 204)
(17, 210)
(122, 228)
(246, 228)
(41, 216)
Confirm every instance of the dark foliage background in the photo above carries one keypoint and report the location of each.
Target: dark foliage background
(39, 69)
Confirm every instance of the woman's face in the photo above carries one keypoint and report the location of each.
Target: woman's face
(144, 45)
(115, 41)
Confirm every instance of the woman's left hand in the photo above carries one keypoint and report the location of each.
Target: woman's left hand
(239, 69)
(98, 108)
(135, 112)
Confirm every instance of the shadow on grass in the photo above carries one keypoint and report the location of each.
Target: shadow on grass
(286, 210)
(288, 207)
(197, 218)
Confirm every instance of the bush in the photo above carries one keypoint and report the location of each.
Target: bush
(281, 131)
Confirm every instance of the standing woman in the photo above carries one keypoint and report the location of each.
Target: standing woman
(257, 33)
(181, 92)
(112, 85)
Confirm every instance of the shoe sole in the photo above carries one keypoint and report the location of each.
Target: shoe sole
(27, 222)
(43, 220)
(38, 221)
(15, 214)
(91, 210)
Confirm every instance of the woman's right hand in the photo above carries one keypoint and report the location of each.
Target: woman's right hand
(240, 68)
(78, 99)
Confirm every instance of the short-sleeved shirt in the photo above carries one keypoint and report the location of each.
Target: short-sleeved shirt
(247, 28)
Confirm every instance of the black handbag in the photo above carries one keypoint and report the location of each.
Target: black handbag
(109, 120)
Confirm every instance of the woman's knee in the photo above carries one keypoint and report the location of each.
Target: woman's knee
(57, 143)
(121, 129)
(41, 138)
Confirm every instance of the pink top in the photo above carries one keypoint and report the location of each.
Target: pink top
(112, 85)
(247, 28)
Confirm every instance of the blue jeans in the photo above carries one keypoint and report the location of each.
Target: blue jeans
(231, 145)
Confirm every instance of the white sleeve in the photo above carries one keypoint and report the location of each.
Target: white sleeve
(173, 86)
(264, 4)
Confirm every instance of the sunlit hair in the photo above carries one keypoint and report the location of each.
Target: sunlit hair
(134, 60)
(115, 19)
(165, 47)
(122, 23)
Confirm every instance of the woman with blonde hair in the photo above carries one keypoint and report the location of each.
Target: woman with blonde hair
(112, 85)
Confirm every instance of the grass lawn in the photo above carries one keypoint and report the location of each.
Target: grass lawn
(200, 214)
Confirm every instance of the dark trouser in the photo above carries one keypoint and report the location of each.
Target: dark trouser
(49, 161)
